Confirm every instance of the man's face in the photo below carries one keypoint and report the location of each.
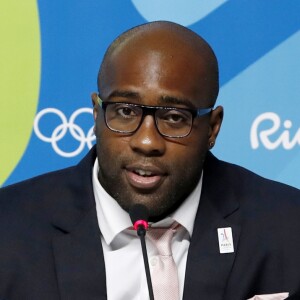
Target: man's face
(145, 167)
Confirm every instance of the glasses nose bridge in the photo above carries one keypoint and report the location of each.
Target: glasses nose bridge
(148, 110)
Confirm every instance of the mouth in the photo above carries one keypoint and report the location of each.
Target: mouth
(144, 177)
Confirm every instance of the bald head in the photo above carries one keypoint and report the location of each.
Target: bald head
(173, 42)
(159, 74)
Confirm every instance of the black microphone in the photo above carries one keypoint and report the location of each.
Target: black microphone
(139, 216)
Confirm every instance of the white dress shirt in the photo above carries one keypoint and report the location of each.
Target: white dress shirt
(124, 266)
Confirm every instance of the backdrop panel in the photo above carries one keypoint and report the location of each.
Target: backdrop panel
(51, 52)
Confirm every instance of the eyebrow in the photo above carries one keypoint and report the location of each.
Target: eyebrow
(163, 100)
(169, 100)
(125, 94)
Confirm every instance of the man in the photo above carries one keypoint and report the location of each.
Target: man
(67, 234)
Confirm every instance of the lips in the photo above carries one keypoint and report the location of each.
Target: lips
(144, 177)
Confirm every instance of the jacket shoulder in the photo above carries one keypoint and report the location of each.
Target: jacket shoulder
(245, 185)
(42, 194)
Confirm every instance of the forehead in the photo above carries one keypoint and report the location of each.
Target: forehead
(160, 61)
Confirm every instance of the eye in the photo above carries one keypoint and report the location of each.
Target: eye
(176, 117)
(125, 111)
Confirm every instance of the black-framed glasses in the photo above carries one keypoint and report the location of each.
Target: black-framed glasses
(170, 122)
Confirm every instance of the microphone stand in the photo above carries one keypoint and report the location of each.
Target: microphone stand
(141, 233)
(139, 216)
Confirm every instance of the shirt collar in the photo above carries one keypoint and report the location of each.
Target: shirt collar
(113, 219)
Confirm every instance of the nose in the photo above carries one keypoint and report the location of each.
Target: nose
(147, 140)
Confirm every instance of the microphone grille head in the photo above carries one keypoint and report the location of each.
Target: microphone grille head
(138, 212)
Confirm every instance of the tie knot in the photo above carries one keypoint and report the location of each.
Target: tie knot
(162, 238)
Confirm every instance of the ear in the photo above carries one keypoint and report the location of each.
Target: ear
(94, 97)
(215, 123)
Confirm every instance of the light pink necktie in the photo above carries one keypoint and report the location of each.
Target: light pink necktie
(164, 274)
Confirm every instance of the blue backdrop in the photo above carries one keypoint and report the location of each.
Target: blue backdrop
(257, 43)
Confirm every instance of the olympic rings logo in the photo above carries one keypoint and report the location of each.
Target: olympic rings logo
(66, 126)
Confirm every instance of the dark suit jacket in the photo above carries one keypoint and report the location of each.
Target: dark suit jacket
(50, 244)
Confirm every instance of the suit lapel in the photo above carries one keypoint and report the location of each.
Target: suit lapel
(207, 270)
(77, 245)
(79, 261)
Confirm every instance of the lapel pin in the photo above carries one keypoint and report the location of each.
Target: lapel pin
(225, 240)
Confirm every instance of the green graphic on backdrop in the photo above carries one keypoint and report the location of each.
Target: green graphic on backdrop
(19, 79)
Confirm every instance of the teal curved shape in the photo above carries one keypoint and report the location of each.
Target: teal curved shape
(183, 12)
